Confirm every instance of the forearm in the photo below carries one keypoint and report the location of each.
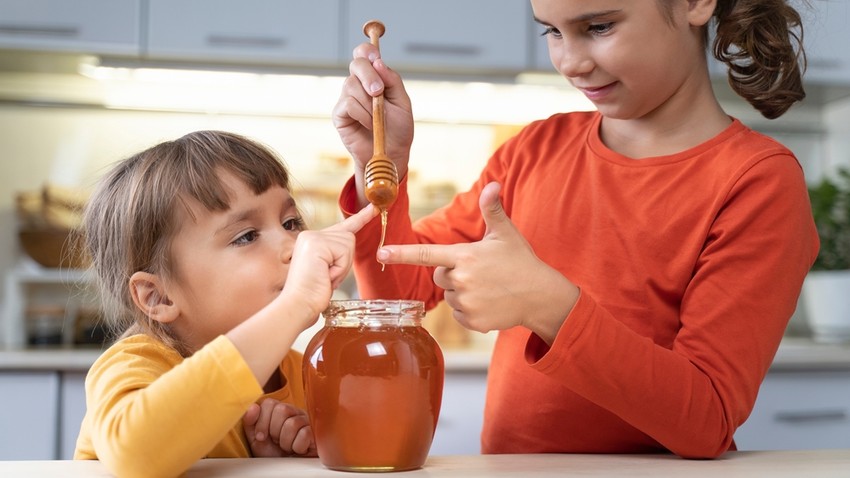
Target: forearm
(161, 427)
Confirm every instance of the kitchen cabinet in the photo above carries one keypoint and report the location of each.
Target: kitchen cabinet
(41, 413)
(445, 35)
(29, 415)
(799, 410)
(461, 414)
(72, 409)
(86, 26)
(825, 38)
(250, 31)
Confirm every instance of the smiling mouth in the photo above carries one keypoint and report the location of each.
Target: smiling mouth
(597, 92)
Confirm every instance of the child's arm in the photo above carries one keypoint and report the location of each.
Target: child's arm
(274, 428)
(320, 262)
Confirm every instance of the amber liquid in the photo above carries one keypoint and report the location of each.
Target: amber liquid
(383, 233)
(373, 396)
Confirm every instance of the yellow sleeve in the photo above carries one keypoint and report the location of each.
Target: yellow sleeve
(150, 412)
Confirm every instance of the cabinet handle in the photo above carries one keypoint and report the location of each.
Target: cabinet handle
(245, 41)
(435, 49)
(811, 416)
(40, 31)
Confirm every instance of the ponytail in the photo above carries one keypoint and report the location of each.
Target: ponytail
(761, 41)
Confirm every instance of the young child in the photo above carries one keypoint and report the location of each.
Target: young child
(204, 265)
(640, 261)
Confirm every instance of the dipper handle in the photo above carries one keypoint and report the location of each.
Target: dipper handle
(380, 175)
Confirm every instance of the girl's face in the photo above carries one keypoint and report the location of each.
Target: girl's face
(626, 56)
(227, 265)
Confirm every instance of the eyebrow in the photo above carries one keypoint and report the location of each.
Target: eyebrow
(585, 17)
(236, 217)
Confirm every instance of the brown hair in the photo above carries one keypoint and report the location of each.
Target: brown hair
(130, 219)
(761, 42)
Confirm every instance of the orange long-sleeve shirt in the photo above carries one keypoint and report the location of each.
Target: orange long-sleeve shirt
(689, 267)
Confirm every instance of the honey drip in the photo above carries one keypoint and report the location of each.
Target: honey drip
(383, 233)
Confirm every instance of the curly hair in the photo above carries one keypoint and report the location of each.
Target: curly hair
(761, 42)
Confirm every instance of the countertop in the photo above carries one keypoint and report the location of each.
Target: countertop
(744, 464)
(795, 354)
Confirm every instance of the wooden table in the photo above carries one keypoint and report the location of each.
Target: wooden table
(745, 464)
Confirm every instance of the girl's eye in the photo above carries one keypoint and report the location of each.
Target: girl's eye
(246, 238)
(551, 31)
(294, 224)
(600, 28)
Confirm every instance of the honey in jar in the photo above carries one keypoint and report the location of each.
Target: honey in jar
(374, 382)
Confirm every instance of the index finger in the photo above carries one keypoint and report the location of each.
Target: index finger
(355, 222)
(434, 255)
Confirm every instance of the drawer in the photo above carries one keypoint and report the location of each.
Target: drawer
(799, 410)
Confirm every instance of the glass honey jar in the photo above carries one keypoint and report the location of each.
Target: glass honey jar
(374, 382)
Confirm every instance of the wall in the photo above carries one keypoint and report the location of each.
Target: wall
(44, 136)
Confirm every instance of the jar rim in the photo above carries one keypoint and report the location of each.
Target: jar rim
(374, 310)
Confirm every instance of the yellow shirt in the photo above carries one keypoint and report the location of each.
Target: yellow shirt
(151, 412)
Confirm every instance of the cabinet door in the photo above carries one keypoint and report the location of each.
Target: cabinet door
(90, 26)
(461, 415)
(250, 31)
(826, 39)
(459, 36)
(29, 415)
(799, 410)
(72, 406)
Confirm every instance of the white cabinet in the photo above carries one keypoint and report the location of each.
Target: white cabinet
(461, 415)
(90, 26)
(250, 31)
(445, 35)
(28, 415)
(72, 409)
(799, 410)
(826, 39)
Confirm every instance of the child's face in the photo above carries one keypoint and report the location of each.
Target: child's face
(626, 56)
(230, 264)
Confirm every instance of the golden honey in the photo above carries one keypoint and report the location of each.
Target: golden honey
(374, 382)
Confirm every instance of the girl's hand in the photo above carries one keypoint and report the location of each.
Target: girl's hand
(495, 283)
(275, 429)
(321, 261)
(352, 115)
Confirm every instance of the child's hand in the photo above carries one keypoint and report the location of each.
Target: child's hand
(320, 262)
(275, 429)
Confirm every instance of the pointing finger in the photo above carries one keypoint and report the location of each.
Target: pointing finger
(419, 255)
(355, 222)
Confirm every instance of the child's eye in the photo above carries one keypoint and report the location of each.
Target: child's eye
(294, 224)
(246, 238)
(547, 31)
(600, 28)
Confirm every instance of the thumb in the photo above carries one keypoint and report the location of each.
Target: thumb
(494, 215)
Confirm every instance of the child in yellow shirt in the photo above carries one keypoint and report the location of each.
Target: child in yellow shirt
(208, 276)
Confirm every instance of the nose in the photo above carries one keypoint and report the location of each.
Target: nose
(286, 246)
(571, 60)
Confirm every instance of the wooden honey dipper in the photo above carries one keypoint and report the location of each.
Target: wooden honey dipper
(380, 176)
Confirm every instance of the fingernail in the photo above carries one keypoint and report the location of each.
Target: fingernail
(383, 254)
(373, 57)
(374, 87)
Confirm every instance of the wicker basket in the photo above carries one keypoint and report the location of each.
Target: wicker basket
(54, 247)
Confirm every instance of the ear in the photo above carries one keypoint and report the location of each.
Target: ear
(700, 11)
(150, 297)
